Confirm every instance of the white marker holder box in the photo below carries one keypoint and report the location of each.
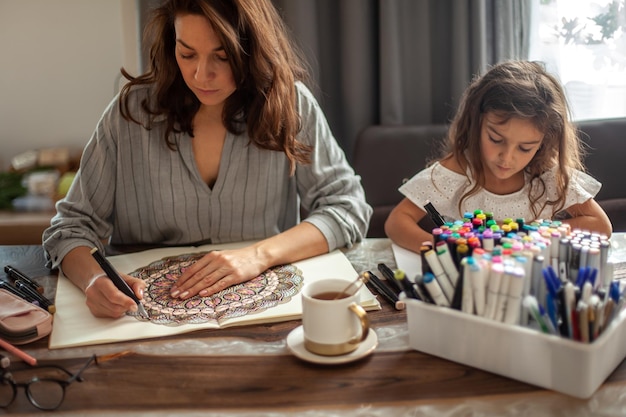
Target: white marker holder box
(524, 354)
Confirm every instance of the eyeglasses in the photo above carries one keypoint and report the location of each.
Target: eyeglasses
(46, 393)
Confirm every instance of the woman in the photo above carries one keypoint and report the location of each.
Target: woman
(219, 141)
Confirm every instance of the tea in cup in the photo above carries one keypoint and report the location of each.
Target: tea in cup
(333, 321)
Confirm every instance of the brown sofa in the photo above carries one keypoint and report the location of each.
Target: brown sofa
(386, 155)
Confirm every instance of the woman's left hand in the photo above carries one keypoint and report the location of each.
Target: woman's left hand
(221, 269)
(218, 270)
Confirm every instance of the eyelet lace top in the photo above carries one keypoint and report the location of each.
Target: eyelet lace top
(444, 188)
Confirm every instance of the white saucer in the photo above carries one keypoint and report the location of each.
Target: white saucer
(295, 343)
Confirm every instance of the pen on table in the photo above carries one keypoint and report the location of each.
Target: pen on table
(43, 301)
(29, 289)
(14, 274)
(13, 290)
(385, 292)
(118, 280)
(18, 352)
(390, 279)
(434, 214)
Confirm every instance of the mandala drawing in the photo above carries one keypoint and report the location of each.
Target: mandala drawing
(275, 286)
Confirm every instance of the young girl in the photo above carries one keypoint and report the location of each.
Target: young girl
(219, 141)
(512, 150)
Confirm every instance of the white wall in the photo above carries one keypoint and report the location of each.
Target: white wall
(59, 67)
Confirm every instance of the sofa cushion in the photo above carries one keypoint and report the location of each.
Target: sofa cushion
(385, 156)
(605, 146)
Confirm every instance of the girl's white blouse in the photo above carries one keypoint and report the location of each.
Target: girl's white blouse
(444, 188)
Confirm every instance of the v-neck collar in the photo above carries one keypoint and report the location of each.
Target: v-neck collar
(186, 151)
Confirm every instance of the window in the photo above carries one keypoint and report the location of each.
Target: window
(584, 43)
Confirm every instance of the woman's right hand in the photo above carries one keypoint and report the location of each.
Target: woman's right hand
(105, 300)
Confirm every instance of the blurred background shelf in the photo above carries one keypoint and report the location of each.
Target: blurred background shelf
(23, 228)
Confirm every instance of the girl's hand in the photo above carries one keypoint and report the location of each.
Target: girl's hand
(105, 300)
(218, 270)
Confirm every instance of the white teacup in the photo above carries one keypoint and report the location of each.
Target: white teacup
(333, 325)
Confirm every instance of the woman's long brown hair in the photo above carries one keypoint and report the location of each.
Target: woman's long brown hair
(265, 66)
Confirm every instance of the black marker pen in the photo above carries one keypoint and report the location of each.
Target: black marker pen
(434, 214)
(384, 291)
(13, 290)
(14, 274)
(118, 280)
(390, 278)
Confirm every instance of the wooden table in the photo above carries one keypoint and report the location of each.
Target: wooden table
(248, 371)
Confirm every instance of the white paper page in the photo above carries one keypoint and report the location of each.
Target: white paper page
(408, 261)
(74, 325)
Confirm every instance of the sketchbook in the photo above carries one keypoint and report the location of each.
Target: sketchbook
(74, 325)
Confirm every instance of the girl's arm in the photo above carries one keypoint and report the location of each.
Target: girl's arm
(589, 216)
(402, 226)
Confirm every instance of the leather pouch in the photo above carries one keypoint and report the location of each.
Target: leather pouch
(21, 321)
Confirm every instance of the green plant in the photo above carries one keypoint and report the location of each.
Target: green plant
(11, 187)
(607, 23)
